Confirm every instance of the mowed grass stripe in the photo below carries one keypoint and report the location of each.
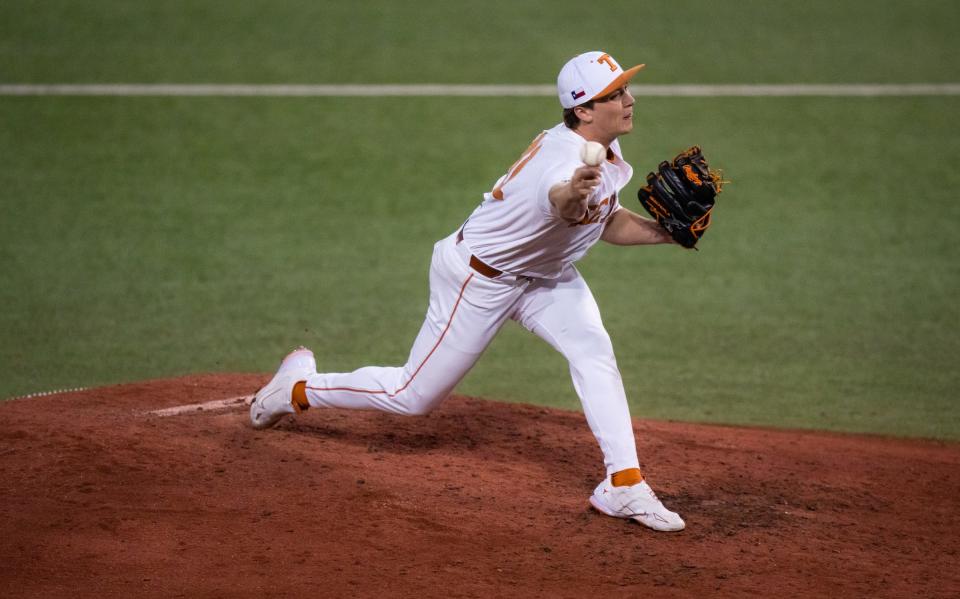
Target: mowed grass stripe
(470, 90)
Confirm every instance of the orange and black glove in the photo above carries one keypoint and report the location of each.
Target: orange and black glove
(681, 196)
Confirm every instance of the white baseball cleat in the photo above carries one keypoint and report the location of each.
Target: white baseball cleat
(638, 502)
(275, 400)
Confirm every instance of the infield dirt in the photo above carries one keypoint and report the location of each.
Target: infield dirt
(479, 499)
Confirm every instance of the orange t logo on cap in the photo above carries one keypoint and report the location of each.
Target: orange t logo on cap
(605, 59)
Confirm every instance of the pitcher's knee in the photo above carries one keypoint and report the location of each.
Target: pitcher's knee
(595, 368)
(413, 404)
(419, 409)
(593, 347)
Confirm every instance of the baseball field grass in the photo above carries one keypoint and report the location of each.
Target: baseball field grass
(150, 237)
(460, 41)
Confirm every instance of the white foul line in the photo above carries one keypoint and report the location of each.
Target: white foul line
(376, 90)
(210, 406)
(48, 393)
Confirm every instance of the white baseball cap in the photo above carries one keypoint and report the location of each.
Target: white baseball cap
(589, 76)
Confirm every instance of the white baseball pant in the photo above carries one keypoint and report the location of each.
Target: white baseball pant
(466, 310)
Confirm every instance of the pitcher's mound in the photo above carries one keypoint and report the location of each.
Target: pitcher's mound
(102, 498)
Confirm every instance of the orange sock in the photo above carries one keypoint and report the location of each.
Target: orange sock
(300, 402)
(626, 478)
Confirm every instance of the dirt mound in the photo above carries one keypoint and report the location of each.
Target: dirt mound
(480, 499)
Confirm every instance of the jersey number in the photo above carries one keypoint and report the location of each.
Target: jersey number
(527, 156)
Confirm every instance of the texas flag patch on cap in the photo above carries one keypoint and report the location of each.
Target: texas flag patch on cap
(590, 76)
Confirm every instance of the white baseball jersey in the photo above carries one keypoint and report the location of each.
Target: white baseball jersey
(513, 260)
(518, 230)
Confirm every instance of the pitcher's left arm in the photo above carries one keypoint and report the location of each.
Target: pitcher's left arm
(625, 227)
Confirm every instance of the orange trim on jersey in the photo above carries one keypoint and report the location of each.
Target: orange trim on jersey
(514, 170)
(417, 371)
(593, 213)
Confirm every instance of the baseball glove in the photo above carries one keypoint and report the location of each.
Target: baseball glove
(681, 195)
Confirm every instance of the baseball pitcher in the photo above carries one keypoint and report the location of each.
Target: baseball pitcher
(513, 259)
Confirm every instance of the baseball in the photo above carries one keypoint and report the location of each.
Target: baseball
(592, 153)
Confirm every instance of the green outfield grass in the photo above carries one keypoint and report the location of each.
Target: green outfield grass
(460, 41)
(151, 237)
